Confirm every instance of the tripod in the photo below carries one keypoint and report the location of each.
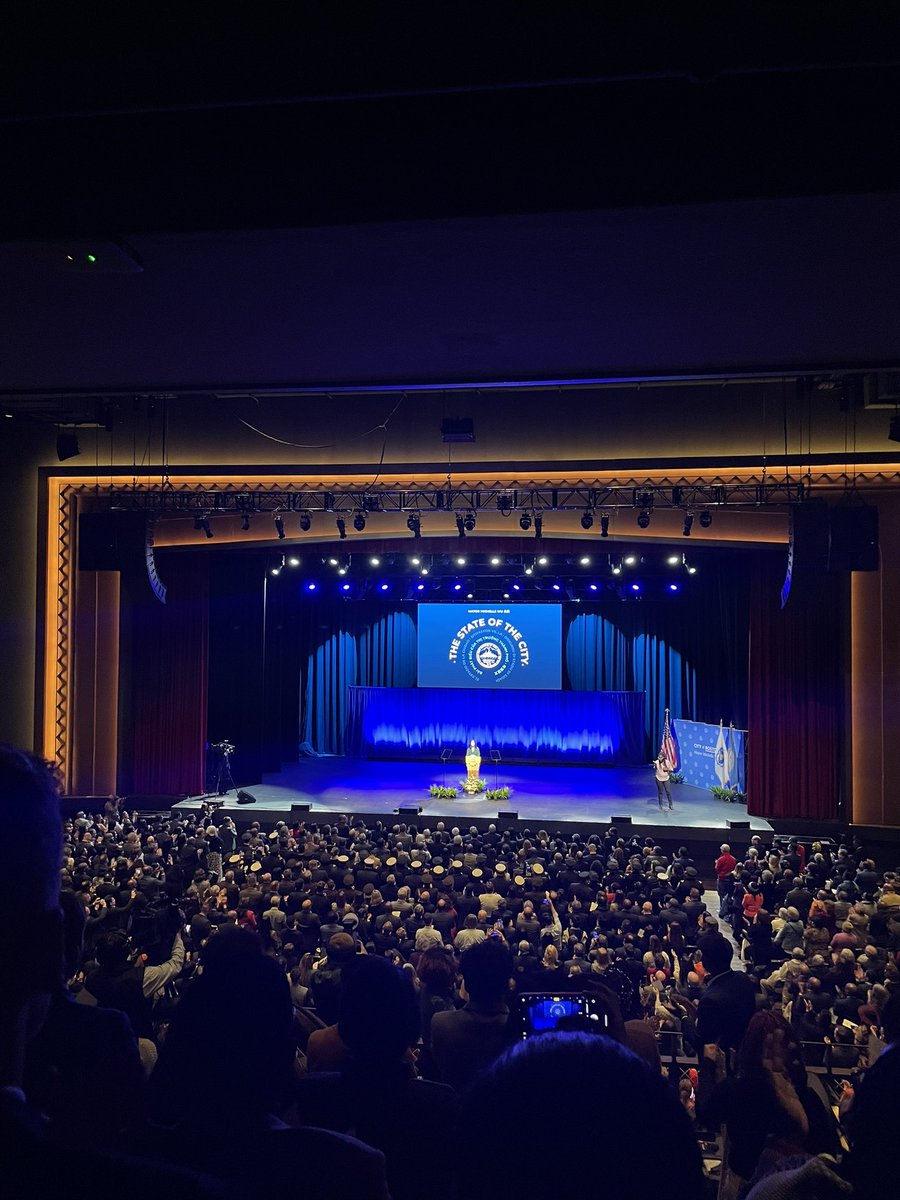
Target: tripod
(224, 781)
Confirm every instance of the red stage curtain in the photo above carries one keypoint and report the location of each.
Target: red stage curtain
(169, 679)
(794, 700)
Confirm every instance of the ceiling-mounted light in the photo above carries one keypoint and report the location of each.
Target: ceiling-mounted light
(604, 524)
(460, 525)
(705, 519)
(245, 522)
(305, 522)
(279, 526)
(644, 518)
(525, 522)
(202, 523)
(469, 522)
(414, 524)
(341, 527)
(505, 504)
(587, 520)
(688, 524)
(359, 521)
(538, 525)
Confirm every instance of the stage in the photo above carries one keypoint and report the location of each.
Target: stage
(547, 795)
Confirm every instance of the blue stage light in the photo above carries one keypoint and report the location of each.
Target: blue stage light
(635, 587)
(516, 587)
(310, 587)
(345, 587)
(457, 587)
(673, 587)
(593, 587)
(384, 587)
(420, 587)
(556, 587)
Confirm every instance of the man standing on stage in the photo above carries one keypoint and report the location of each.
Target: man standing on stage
(663, 771)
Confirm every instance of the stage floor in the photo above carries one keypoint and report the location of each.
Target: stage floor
(539, 794)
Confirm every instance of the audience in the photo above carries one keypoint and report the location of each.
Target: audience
(334, 990)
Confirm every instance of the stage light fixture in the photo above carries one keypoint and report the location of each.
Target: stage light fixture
(374, 561)
(203, 523)
(469, 522)
(275, 570)
(460, 525)
(495, 561)
(345, 587)
(506, 595)
(470, 595)
(341, 528)
(587, 520)
(516, 588)
(688, 524)
(311, 586)
(279, 527)
(359, 521)
(585, 560)
(245, 522)
(616, 568)
(328, 501)
(424, 571)
(293, 562)
(692, 570)
(644, 518)
(384, 587)
(593, 587)
(420, 587)
(525, 522)
(604, 524)
(342, 570)
(461, 560)
(415, 561)
(673, 560)
(673, 587)
(556, 587)
(542, 561)
(635, 587)
(529, 570)
(305, 522)
(457, 587)
(538, 525)
(504, 504)
(414, 524)
(629, 560)
(705, 519)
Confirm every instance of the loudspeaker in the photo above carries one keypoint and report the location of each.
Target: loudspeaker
(808, 551)
(738, 824)
(245, 798)
(409, 811)
(854, 538)
(119, 541)
(620, 821)
(299, 808)
(507, 816)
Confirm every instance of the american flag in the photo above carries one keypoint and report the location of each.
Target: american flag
(667, 749)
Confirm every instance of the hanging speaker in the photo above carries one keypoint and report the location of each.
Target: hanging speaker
(808, 551)
(854, 538)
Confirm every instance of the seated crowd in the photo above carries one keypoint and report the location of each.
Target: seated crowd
(337, 1008)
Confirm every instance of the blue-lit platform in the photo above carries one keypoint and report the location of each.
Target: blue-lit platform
(542, 794)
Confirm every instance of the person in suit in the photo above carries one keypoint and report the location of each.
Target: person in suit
(729, 997)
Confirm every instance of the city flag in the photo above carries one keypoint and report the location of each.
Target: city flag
(721, 758)
(667, 749)
(730, 756)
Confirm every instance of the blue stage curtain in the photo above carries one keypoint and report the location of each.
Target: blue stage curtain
(636, 650)
(370, 645)
(543, 726)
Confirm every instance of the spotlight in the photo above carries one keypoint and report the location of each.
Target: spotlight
(328, 501)
(460, 525)
(203, 523)
(692, 570)
(469, 522)
(310, 587)
(420, 587)
(688, 524)
(593, 587)
(673, 560)
(629, 560)
(556, 587)
(525, 522)
(416, 562)
(538, 525)
(245, 522)
(516, 588)
(341, 527)
(457, 587)
(504, 504)
(293, 562)
(542, 561)
(470, 595)
(359, 521)
(635, 587)
(461, 561)
(705, 519)
(587, 520)
(279, 527)
(374, 561)
(305, 522)
(424, 571)
(673, 587)
(644, 518)
(274, 570)
(345, 587)
(414, 524)
(495, 561)
(384, 587)
(585, 560)
(604, 524)
(529, 570)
